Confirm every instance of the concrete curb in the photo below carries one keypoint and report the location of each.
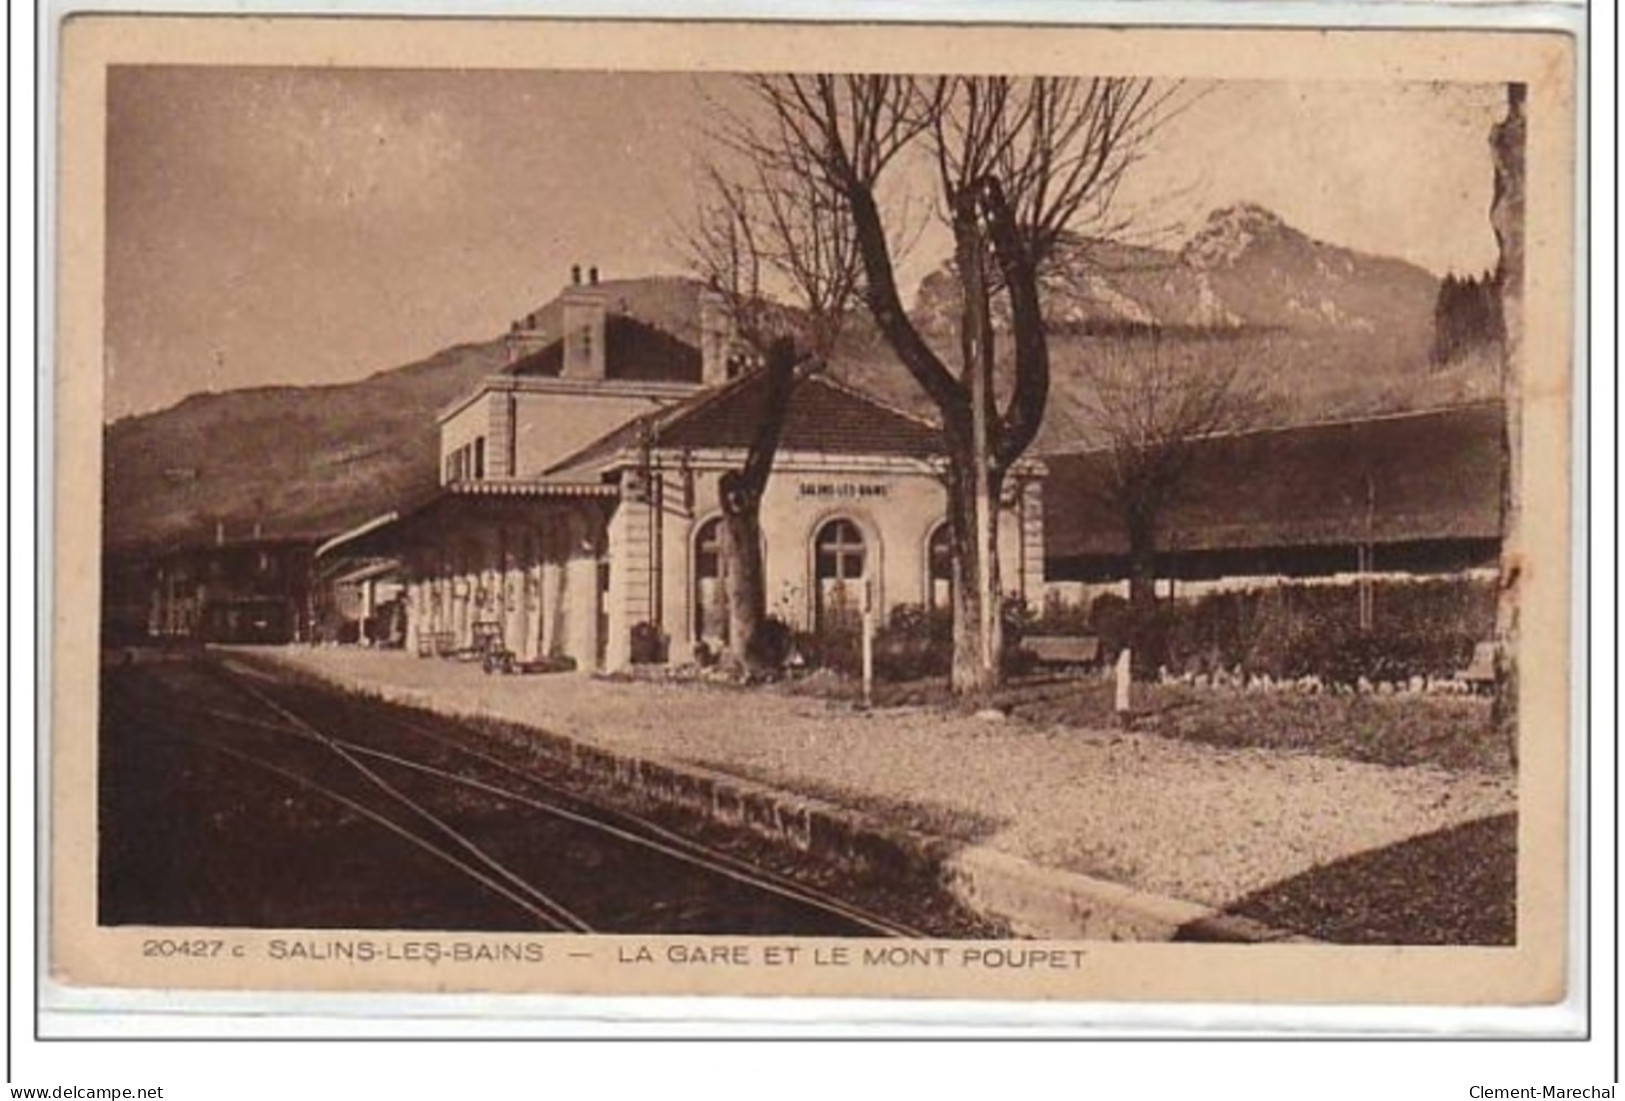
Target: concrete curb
(1033, 900)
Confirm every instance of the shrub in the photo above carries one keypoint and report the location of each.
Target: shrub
(902, 659)
(1278, 639)
(1213, 632)
(837, 651)
(916, 620)
(1061, 617)
(770, 646)
(916, 642)
(1418, 628)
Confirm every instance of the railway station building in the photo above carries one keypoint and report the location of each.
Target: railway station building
(578, 502)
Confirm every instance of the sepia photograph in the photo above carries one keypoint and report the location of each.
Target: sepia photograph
(741, 513)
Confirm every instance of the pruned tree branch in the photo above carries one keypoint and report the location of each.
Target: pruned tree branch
(1020, 164)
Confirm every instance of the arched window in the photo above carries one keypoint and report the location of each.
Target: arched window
(710, 596)
(839, 558)
(939, 568)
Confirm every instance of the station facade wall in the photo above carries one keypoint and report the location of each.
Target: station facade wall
(561, 578)
(835, 529)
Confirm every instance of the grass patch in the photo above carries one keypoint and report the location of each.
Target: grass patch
(1451, 732)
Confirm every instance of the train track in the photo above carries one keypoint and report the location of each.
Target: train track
(547, 913)
(400, 791)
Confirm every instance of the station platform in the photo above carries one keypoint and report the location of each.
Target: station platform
(1062, 832)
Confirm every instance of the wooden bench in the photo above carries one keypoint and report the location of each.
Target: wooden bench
(1080, 650)
(1479, 675)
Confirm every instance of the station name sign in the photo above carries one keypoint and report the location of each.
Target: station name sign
(843, 490)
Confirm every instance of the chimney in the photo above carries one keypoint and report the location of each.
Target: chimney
(524, 338)
(716, 337)
(585, 311)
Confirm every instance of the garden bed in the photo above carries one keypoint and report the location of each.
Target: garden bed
(1450, 732)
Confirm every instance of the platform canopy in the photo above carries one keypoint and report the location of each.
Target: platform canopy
(368, 570)
(392, 533)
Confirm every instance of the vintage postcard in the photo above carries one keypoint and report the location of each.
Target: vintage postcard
(842, 510)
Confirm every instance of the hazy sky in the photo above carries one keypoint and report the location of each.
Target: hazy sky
(312, 226)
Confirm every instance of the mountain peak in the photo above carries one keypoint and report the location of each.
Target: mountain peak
(1229, 232)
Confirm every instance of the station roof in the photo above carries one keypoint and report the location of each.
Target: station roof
(634, 351)
(669, 303)
(825, 416)
(651, 331)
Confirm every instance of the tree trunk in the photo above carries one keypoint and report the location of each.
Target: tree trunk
(744, 581)
(978, 632)
(978, 638)
(981, 445)
(1143, 635)
(1506, 215)
(745, 575)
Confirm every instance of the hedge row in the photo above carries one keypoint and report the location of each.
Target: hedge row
(1418, 628)
(914, 643)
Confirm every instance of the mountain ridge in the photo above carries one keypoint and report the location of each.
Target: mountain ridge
(1350, 332)
(1245, 267)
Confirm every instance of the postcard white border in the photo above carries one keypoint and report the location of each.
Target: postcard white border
(337, 1008)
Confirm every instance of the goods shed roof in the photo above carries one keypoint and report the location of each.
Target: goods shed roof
(1433, 475)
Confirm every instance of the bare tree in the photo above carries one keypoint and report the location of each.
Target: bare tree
(768, 225)
(1151, 401)
(1019, 163)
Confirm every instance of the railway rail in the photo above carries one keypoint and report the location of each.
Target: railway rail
(439, 792)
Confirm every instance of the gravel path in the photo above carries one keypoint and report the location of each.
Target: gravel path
(1205, 824)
